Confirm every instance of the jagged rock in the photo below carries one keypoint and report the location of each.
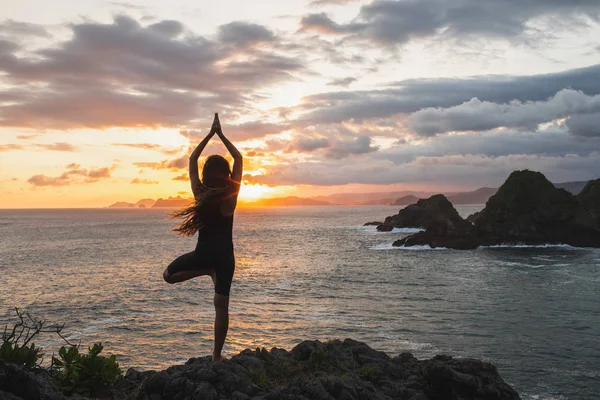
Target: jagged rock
(435, 212)
(385, 228)
(373, 223)
(526, 209)
(17, 382)
(345, 370)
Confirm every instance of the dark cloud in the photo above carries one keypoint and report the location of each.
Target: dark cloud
(406, 97)
(358, 145)
(244, 34)
(585, 125)
(476, 115)
(143, 181)
(323, 24)
(307, 144)
(398, 22)
(342, 81)
(126, 74)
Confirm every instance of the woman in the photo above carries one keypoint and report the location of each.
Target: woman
(211, 216)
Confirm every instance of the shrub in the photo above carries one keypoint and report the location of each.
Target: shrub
(86, 374)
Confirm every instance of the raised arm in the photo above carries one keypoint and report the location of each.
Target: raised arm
(193, 167)
(236, 173)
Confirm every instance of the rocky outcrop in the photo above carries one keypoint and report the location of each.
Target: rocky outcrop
(322, 371)
(435, 213)
(526, 209)
(344, 370)
(18, 383)
(373, 223)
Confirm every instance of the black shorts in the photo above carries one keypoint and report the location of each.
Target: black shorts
(208, 256)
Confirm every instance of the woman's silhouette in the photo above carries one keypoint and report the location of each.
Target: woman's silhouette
(211, 216)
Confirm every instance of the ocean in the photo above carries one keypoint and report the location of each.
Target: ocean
(307, 273)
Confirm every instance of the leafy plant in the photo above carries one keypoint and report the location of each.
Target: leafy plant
(86, 374)
(370, 372)
(16, 344)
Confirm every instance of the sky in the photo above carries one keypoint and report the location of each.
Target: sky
(104, 101)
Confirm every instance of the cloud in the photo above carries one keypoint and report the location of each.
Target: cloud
(585, 125)
(143, 181)
(466, 170)
(174, 164)
(128, 74)
(43, 180)
(307, 144)
(409, 96)
(244, 34)
(74, 174)
(103, 172)
(10, 147)
(398, 22)
(244, 131)
(20, 29)
(182, 177)
(359, 145)
(342, 81)
(477, 115)
(61, 146)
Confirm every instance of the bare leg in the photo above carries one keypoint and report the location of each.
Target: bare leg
(221, 324)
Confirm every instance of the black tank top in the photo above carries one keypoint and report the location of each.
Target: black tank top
(216, 226)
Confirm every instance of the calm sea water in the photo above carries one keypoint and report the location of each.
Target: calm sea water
(308, 273)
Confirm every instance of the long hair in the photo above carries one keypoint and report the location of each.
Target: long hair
(216, 184)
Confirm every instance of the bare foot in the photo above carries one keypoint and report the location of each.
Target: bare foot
(219, 357)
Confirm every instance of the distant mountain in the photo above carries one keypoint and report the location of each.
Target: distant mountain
(172, 202)
(479, 196)
(122, 204)
(405, 200)
(145, 203)
(373, 198)
(573, 187)
(287, 201)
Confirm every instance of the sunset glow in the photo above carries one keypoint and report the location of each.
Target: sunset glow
(104, 102)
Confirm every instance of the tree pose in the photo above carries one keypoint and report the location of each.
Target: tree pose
(211, 215)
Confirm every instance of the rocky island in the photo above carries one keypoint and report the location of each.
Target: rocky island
(344, 370)
(526, 209)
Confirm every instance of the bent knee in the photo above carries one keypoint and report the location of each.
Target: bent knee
(167, 277)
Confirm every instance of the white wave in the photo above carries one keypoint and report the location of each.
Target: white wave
(407, 230)
(532, 246)
(373, 229)
(388, 246)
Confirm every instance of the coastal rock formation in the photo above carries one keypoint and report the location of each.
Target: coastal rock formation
(526, 209)
(312, 370)
(435, 213)
(332, 370)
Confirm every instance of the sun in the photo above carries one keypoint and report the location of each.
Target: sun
(254, 192)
